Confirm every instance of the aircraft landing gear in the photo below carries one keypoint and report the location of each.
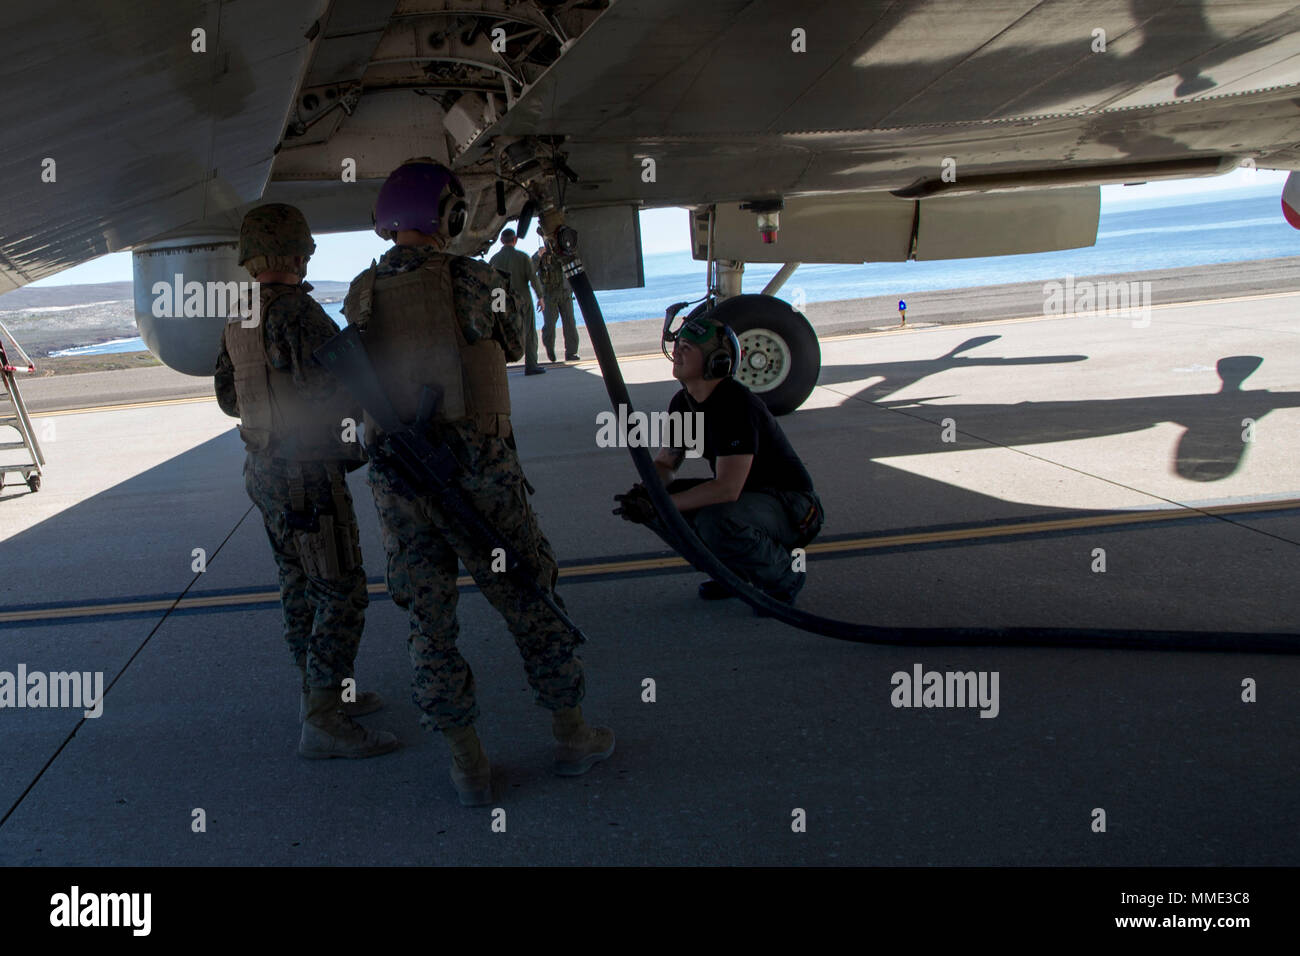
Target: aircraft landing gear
(780, 357)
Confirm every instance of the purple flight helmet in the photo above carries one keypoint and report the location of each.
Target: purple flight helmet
(424, 195)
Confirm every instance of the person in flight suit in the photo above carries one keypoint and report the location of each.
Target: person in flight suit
(519, 267)
(557, 299)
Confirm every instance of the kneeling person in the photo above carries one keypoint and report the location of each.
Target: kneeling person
(760, 503)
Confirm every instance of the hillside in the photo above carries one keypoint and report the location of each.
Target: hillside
(46, 319)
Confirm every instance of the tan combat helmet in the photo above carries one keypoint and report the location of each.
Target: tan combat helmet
(270, 238)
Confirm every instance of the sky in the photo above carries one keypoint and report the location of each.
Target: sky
(340, 256)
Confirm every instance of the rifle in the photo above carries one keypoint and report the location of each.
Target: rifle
(430, 469)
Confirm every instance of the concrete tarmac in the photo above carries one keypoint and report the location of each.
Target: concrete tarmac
(972, 475)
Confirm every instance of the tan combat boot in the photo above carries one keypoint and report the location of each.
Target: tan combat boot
(328, 732)
(367, 702)
(581, 746)
(471, 774)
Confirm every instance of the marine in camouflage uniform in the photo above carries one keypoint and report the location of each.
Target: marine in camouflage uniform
(292, 422)
(429, 319)
(423, 544)
(557, 299)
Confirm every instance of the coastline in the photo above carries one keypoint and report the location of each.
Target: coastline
(116, 378)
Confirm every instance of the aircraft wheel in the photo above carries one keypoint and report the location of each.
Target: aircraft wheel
(780, 357)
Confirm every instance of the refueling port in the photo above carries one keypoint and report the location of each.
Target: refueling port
(769, 217)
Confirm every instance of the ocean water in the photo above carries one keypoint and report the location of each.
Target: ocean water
(1169, 233)
(103, 348)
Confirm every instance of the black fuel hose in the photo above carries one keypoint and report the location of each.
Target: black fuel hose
(680, 536)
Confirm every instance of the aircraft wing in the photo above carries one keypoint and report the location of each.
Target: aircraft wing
(882, 93)
(118, 129)
(730, 99)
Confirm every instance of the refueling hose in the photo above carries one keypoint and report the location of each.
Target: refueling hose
(681, 537)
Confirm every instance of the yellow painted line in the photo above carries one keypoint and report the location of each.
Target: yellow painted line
(117, 408)
(642, 564)
(1060, 524)
(134, 607)
(655, 564)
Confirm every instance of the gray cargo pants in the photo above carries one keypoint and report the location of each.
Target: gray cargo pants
(753, 535)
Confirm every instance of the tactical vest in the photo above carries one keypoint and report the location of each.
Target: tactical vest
(550, 272)
(414, 338)
(275, 419)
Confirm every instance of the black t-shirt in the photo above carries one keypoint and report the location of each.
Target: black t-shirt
(736, 422)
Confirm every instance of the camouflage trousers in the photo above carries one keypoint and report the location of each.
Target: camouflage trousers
(323, 615)
(753, 535)
(423, 545)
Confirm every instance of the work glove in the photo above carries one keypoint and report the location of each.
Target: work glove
(636, 506)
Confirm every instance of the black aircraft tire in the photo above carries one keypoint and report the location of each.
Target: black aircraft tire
(766, 324)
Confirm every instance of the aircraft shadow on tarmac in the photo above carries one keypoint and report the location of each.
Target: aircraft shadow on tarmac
(110, 547)
(1211, 449)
